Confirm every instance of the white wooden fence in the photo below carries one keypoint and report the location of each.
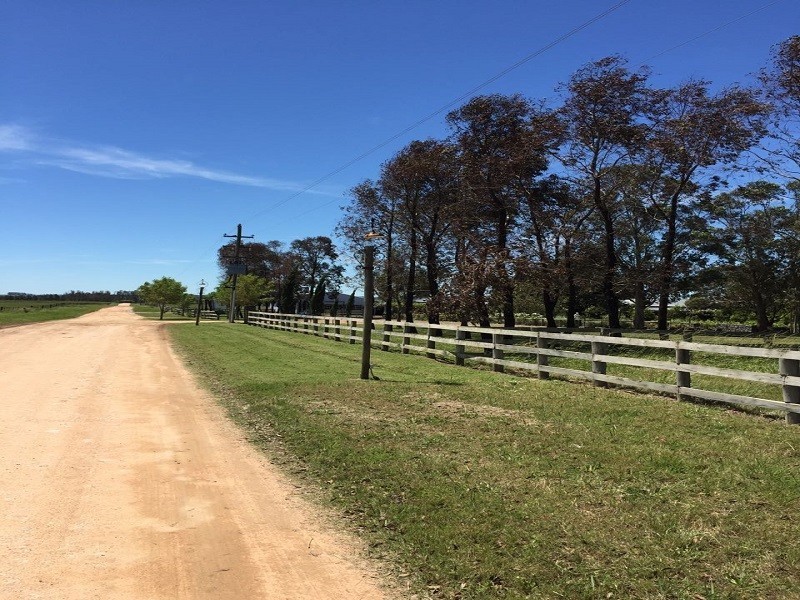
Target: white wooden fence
(532, 351)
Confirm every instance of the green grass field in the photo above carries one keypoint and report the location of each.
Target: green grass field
(152, 312)
(22, 312)
(474, 484)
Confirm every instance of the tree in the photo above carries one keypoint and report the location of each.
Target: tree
(318, 297)
(781, 89)
(162, 293)
(501, 139)
(555, 214)
(316, 258)
(603, 129)
(422, 182)
(746, 230)
(370, 210)
(289, 291)
(692, 130)
(251, 290)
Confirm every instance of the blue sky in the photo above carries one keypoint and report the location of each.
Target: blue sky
(134, 134)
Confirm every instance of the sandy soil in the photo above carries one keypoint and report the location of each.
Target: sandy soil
(120, 479)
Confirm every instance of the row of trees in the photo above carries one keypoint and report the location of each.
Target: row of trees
(293, 278)
(77, 296)
(620, 193)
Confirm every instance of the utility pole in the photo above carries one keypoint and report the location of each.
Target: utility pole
(366, 339)
(200, 302)
(235, 269)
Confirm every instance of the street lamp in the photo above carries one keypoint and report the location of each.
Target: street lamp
(366, 340)
(199, 302)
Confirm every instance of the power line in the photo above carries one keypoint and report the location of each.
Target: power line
(520, 63)
(715, 29)
(436, 113)
(444, 107)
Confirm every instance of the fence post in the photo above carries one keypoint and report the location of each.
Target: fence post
(599, 366)
(541, 359)
(406, 340)
(337, 330)
(460, 348)
(682, 378)
(352, 335)
(387, 336)
(497, 354)
(791, 393)
(431, 343)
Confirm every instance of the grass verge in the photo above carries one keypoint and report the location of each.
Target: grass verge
(23, 316)
(482, 485)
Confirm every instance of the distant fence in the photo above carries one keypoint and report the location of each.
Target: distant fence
(580, 355)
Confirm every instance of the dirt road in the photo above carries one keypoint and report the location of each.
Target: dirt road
(120, 479)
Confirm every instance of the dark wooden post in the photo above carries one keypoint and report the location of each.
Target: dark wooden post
(366, 338)
(406, 340)
(682, 378)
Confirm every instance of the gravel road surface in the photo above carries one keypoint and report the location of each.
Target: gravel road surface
(120, 478)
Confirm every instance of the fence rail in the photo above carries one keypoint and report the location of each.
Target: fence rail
(532, 350)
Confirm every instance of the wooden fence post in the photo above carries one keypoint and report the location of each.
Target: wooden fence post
(431, 343)
(791, 393)
(497, 354)
(599, 366)
(541, 359)
(337, 330)
(406, 340)
(387, 336)
(460, 348)
(682, 378)
(352, 331)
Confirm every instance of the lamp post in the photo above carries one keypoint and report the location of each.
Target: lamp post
(366, 339)
(199, 302)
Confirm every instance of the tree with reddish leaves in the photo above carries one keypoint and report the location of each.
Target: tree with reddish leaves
(692, 130)
(501, 140)
(781, 90)
(603, 129)
(423, 180)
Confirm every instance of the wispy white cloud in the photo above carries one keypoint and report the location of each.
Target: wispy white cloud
(118, 163)
(15, 138)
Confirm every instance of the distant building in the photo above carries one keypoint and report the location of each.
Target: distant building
(331, 299)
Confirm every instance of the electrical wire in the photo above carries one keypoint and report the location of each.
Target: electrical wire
(443, 108)
(431, 115)
(715, 29)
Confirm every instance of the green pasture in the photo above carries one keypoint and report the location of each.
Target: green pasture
(473, 484)
(152, 312)
(22, 312)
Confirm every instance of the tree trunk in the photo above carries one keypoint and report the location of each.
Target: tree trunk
(412, 276)
(572, 290)
(432, 266)
(763, 322)
(609, 276)
(639, 302)
(549, 308)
